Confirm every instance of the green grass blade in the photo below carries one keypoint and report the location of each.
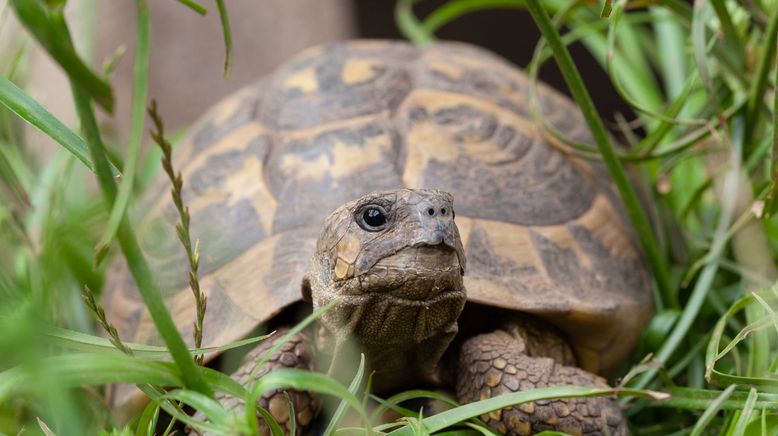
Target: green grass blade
(74, 340)
(292, 414)
(771, 201)
(208, 406)
(409, 25)
(74, 370)
(745, 415)
(138, 110)
(150, 293)
(152, 297)
(585, 32)
(10, 380)
(632, 76)
(647, 85)
(759, 83)
(293, 331)
(193, 5)
(486, 431)
(701, 399)
(148, 420)
(18, 102)
(463, 413)
(353, 387)
(641, 79)
(687, 15)
(385, 405)
(633, 73)
(653, 139)
(699, 46)
(14, 173)
(454, 9)
(731, 38)
(306, 381)
(612, 162)
(766, 306)
(743, 334)
(178, 414)
(225, 21)
(396, 399)
(712, 353)
(82, 369)
(42, 24)
(669, 37)
(711, 411)
(697, 298)
(251, 418)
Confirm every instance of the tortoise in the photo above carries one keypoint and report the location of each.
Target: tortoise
(535, 279)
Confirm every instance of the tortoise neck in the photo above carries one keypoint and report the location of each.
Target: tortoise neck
(395, 365)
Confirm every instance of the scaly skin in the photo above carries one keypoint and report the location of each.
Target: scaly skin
(297, 354)
(399, 288)
(500, 362)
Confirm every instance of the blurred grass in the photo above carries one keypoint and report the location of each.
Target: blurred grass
(702, 81)
(139, 96)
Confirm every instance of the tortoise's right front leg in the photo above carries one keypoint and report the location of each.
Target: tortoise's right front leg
(515, 358)
(297, 353)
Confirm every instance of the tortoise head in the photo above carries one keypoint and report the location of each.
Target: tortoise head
(395, 261)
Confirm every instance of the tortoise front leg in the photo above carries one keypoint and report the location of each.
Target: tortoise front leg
(297, 353)
(512, 359)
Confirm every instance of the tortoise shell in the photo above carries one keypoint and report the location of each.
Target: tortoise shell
(544, 233)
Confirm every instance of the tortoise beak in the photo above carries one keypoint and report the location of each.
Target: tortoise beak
(445, 236)
(436, 219)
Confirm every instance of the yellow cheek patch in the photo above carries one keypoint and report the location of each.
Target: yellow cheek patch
(348, 248)
(341, 269)
(347, 252)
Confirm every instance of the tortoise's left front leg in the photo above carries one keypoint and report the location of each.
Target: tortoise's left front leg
(513, 359)
(297, 353)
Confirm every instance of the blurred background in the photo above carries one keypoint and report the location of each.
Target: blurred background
(187, 50)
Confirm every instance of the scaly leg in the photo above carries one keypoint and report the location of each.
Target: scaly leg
(298, 354)
(513, 359)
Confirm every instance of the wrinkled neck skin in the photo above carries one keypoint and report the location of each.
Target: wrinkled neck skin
(403, 324)
(398, 285)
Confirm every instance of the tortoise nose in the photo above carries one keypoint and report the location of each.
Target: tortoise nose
(437, 222)
(440, 211)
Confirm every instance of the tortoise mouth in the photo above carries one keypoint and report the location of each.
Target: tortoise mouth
(404, 298)
(417, 273)
(439, 256)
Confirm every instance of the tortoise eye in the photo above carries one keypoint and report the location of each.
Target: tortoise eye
(372, 218)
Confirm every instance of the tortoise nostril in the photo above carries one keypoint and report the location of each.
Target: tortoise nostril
(431, 211)
(443, 211)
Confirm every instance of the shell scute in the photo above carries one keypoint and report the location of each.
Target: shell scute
(331, 167)
(222, 120)
(338, 83)
(495, 161)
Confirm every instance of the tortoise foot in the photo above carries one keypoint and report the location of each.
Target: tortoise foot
(499, 362)
(297, 353)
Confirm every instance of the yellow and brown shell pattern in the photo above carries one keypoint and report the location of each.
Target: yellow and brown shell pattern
(544, 233)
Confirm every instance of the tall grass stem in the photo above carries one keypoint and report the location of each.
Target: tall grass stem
(612, 162)
(139, 95)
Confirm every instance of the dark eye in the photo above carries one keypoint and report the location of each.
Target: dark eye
(372, 218)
